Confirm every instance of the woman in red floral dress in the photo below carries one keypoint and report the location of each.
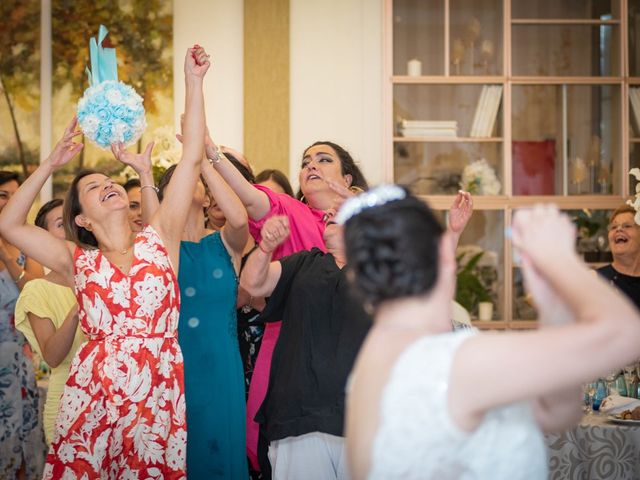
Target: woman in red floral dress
(122, 413)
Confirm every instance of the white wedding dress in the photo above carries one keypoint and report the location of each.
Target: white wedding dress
(417, 438)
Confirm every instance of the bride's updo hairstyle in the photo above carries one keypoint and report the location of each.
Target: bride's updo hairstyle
(391, 240)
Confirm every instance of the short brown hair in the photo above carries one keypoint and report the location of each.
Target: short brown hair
(620, 210)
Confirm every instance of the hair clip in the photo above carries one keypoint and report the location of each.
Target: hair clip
(375, 197)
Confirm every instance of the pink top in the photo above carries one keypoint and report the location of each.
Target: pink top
(305, 223)
(307, 228)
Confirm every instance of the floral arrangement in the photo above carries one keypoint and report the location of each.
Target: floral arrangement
(111, 112)
(636, 202)
(480, 178)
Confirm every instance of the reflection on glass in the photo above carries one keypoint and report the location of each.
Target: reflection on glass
(565, 50)
(566, 9)
(418, 34)
(437, 168)
(476, 37)
(566, 139)
(451, 108)
(634, 38)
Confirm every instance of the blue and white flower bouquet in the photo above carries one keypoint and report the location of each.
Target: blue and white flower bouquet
(109, 111)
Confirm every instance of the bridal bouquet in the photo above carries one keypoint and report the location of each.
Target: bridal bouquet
(480, 178)
(109, 111)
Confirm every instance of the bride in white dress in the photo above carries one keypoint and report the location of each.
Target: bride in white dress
(426, 402)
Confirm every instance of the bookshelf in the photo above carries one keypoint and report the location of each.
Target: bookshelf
(564, 125)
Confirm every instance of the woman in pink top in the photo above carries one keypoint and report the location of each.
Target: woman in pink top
(327, 176)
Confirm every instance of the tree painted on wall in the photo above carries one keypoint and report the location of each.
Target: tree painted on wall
(20, 64)
(140, 30)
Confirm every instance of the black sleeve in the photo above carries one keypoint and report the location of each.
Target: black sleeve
(291, 265)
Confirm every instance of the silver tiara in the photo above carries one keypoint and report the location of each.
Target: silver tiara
(375, 197)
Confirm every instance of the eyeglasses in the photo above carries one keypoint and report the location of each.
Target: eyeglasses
(621, 226)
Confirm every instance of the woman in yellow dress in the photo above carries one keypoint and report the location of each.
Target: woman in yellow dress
(46, 313)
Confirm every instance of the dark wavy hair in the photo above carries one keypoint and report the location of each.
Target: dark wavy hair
(278, 177)
(79, 235)
(347, 166)
(392, 250)
(41, 216)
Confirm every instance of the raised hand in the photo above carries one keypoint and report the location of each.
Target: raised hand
(196, 62)
(460, 212)
(274, 231)
(552, 309)
(66, 148)
(342, 193)
(544, 235)
(140, 162)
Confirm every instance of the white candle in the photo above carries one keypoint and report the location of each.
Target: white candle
(485, 310)
(414, 67)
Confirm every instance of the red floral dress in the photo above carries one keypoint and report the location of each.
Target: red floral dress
(122, 413)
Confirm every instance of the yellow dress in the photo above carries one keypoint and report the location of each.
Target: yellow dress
(48, 300)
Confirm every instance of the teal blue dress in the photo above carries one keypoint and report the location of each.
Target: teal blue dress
(213, 373)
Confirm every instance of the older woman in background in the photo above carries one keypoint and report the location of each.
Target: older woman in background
(624, 241)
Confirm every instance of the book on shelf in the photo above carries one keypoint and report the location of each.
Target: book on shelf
(634, 98)
(484, 118)
(429, 128)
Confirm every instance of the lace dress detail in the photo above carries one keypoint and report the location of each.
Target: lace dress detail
(122, 413)
(417, 438)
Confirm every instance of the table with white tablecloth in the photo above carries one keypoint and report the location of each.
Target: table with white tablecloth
(595, 449)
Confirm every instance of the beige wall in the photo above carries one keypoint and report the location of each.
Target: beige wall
(217, 25)
(266, 84)
(335, 75)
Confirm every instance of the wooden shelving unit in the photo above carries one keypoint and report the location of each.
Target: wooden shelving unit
(587, 76)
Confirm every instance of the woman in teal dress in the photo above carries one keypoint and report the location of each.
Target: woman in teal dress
(207, 333)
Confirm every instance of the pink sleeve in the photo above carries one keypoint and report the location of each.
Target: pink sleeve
(305, 223)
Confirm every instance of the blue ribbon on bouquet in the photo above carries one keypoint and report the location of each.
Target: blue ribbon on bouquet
(103, 60)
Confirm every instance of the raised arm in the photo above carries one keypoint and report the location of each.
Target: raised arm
(460, 214)
(493, 370)
(141, 164)
(171, 216)
(260, 275)
(36, 242)
(235, 231)
(256, 202)
(54, 344)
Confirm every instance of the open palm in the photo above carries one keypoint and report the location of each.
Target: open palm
(460, 212)
(140, 162)
(66, 148)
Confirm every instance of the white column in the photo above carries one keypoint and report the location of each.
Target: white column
(45, 93)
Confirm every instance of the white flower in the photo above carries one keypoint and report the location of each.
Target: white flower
(120, 292)
(114, 96)
(480, 178)
(66, 452)
(177, 450)
(150, 293)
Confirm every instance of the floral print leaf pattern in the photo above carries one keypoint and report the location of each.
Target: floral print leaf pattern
(122, 413)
